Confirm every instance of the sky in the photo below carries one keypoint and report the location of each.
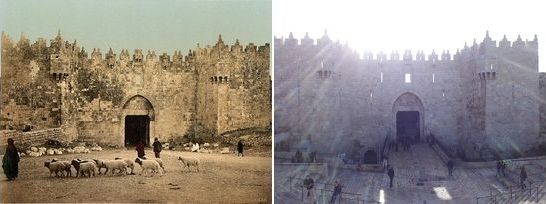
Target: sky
(160, 25)
(389, 25)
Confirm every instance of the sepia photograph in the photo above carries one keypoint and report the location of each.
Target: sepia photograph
(136, 101)
(409, 102)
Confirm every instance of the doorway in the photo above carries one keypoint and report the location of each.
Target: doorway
(137, 128)
(408, 126)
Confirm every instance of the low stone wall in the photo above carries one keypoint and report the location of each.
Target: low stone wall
(301, 169)
(32, 137)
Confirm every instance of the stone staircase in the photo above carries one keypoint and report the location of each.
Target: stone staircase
(535, 192)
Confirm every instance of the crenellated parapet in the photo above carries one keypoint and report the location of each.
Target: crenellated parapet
(310, 47)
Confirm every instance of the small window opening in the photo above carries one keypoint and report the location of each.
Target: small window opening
(408, 78)
(433, 78)
(381, 77)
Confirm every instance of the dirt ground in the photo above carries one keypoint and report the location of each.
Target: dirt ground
(222, 179)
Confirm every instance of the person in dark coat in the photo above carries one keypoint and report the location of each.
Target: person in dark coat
(309, 184)
(240, 148)
(10, 162)
(391, 175)
(450, 165)
(499, 167)
(503, 167)
(157, 147)
(140, 149)
(522, 177)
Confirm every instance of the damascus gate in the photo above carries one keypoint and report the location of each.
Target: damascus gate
(127, 97)
(483, 102)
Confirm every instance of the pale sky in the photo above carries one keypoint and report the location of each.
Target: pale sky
(161, 25)
(388, 25)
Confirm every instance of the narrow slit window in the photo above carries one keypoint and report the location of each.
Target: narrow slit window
(408, 78)
(433, 78)
(381, 77)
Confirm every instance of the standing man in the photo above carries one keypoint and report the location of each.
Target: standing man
(337, 191)
(10, 162)
(499, 167)
(391, 175)
(522, 177)
(140, 149)
(450, 165)
(157, 147)
(385, 163)
(240, 148)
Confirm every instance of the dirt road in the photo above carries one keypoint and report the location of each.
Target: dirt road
(222, 179)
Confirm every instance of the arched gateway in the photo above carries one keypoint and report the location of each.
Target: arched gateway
(408, 114)
(138, 118)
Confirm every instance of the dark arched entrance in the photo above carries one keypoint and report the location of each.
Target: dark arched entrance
(138, 117)
(137, 128)
(408, 118)
(408, 125)
(370, 157)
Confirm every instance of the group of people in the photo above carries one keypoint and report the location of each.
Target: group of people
(405, 143)
(298, 157)
(309, 185)
(156, 147)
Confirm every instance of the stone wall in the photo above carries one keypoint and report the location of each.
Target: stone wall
(32, 137)
(331, 98)
(209, 91)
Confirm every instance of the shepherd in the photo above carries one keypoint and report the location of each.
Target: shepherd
(10, 162)
(240, 148)
(140, 149)
(157, 147)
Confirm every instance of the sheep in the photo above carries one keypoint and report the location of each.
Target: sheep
(54, 167)
(66, 166)
(189, 161)
(130, 164)
(148, 164)
(112, 165)
(76, 163)
(84, 166)
(160, 161)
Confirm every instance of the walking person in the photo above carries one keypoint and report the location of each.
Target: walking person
(450, 165)
(385, 163)
(337, 192)
(309, 184)
(240, 148)
(10, 162)
(140, 149)
(522, 177)
(391, 175)
(157, 147)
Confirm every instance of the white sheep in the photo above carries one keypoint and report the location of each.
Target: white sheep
(147, 165)
(58, 166)
(84, 166)
(130, 164)
(160, 161)
(189, 161)
(112, 165)
(76, 163)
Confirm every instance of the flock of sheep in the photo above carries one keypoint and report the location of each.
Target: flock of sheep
(121, 166)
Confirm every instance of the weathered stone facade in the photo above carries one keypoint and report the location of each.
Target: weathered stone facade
(107, 98)
(480, 102)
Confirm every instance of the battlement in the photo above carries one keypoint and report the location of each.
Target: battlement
(63, 49)
(308, 44)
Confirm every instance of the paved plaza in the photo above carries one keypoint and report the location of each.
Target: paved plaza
(420, 177)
